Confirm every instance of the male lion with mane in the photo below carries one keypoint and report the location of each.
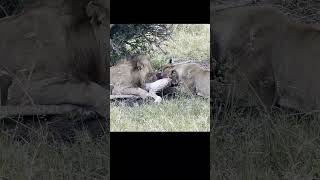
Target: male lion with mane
(54, 51)
(271, 60)
(133, 76)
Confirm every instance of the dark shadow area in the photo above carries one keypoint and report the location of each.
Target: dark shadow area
(264, 103)
(54, 77)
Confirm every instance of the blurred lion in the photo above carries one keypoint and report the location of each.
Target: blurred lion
(272, 61)
(53, 53)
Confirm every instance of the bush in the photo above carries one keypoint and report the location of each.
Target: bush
(162, 42)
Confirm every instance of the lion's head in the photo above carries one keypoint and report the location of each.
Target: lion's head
(141, 68)
(170, 72)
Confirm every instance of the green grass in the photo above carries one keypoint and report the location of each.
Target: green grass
(182, 114)
(189, 41)
(254, 145)
(37, 159)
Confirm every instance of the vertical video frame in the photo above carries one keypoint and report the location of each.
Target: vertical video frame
(160, 77)
(54, 89)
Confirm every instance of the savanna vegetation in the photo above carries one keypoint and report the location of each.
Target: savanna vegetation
(180, 41)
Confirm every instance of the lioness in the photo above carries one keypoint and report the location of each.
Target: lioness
(130, 75)
(191, 75)
(271, 59)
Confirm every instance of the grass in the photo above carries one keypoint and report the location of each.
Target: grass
(189, 42)
(38, 159)
(88, 159)
(181, 114)
(248, 144)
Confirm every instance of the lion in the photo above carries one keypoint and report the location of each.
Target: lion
(55, 53)
(190, 75)
(271, 60)
(135, 76)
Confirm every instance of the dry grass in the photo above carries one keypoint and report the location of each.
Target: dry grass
(35, 158)
(189, 41)
(248, 144)
(181, 114)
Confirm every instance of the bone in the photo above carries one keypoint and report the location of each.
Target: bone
(158, 85)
